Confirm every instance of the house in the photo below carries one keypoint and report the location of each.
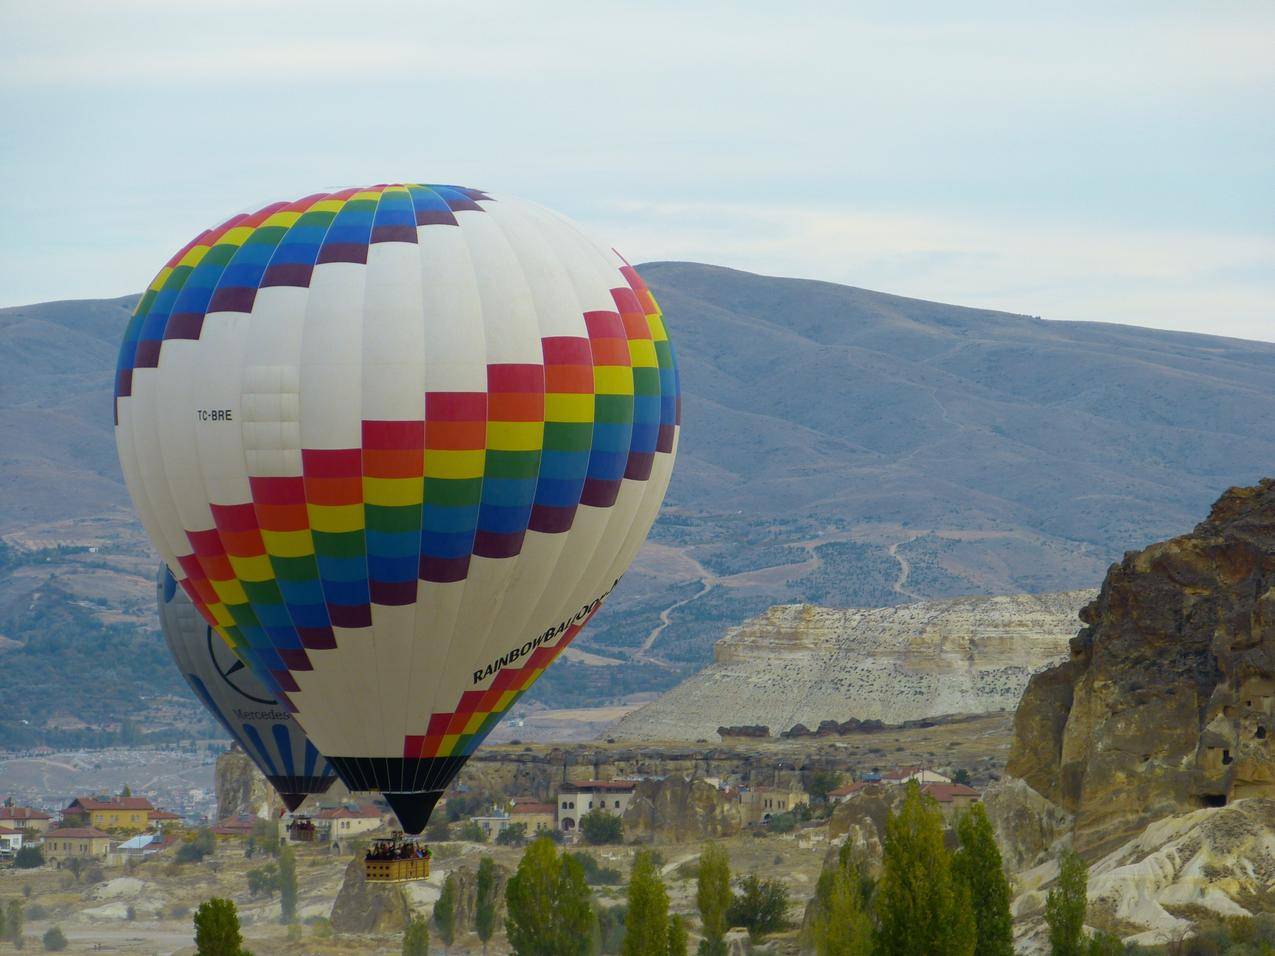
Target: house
(919, 774)
(24, 818)
(236, 828)
(761, 803)
(65, 843)
(494, 824)
(576, 799)
(845, 791)
(108, 813)
(536, 815)
(163, 819)
(952, 798)
(10, 841)
(347, 820)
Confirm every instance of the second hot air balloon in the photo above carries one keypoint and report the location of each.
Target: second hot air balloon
(265, 732)
(398, 444)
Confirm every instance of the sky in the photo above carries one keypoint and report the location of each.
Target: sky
(1086, 161)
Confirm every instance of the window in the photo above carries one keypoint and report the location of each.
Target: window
(617, 804)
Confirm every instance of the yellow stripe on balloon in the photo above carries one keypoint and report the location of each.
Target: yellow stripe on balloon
(236, 236)
(256, 568)
(656, 324)
(285, 218)
(194, 255)
(516, 436)
(613, 380)
(564, 407)
(288, 544)
(335, 519)
(230, 592)
(393, 492)
(642, 353)
(450, 463)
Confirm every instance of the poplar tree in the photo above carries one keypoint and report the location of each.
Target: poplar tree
(977, 864)
(677, 935)
(1065, 907)
(485, 903)
(287, 885)
(921, 907)
(841, 924)
(713, 897)
(646, 925)
(445, 912)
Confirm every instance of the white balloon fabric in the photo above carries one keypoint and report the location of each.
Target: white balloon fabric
(265, 732)
(397, 444)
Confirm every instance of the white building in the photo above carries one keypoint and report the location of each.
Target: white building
(10, 841)
(577, 799)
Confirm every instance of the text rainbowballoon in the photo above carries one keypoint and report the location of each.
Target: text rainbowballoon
(397, 444)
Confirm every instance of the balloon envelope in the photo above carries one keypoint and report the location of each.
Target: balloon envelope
(398, 444)
(229, 691)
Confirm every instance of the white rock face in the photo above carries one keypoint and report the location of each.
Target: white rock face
(799, 663)
(1212, 860)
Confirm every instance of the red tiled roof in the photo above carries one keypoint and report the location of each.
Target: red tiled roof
(947, 792)
(533, 808)
(232, 826)
(110, 803)
(900, 772)
(22, 813)
(164, 815)
(5, 831)
(73, 833)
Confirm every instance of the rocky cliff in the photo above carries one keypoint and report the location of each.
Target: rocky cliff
(242, 789)
(1167, 703)
(680, 810)
(798, 663)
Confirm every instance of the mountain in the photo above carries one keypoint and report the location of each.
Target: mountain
(840, 446)
(801, 664)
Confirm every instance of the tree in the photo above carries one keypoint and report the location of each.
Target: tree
(445, 912)
(977, 865)
(1065, 907)
(600, 827)
(962, 776)
(548, 904)
(821, 781)
(841, 925)
(127, 791)
(485, 901)
(54, 940)
(416, 937)
(713, 898)
(13, 923)
(646, 926)
(199, 847)
(473, 832)
(263, 880)
(28, 858)
(920, 907)
(287, 885)
(761, 907)
(677, 935)
(513, 835)
(217, 929)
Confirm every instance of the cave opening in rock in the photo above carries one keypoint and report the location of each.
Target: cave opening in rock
(1214, 799)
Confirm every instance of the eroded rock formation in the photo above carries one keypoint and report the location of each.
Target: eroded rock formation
(363, 907)
(1167, 703)
(801, 664)
(242, 789)
(680, 810)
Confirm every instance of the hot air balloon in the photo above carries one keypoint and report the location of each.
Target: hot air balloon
(228, 690)
(397, 444)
